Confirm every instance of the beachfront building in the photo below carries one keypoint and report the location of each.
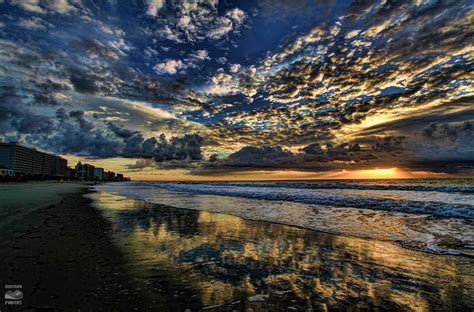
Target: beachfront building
(99, 174)
(85, 171)
(60, 167)
(71, 173)
(110, 176)
(24, 160)
(4, 171)
(89, 172)
(21, 161)
(47, 164)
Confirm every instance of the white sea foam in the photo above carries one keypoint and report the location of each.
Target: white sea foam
(433, 203)
(365, 185)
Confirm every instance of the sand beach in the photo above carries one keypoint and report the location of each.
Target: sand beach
(59, 249)
(74, 249)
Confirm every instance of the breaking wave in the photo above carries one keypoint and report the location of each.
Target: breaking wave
(440, 205)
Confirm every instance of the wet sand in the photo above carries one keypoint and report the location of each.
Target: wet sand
(107, 252)
(63, 257)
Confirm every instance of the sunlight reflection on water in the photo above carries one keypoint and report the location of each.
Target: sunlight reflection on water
(421, 231)
(194, 259)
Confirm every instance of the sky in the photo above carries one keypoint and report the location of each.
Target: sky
(272, 89)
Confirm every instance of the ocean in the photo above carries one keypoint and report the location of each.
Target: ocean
(429, 215)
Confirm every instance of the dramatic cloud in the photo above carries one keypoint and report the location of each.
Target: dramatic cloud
(312, 85)
(142, 164)
(55, 6)
(154, 6)
(234, 68)
(447, 142)
(29, 5)
(60, 6)
(170, 67)
(257, 156)
(183, 148)
(200, 55)
(439, 147)
(193, 21)
(33, 23)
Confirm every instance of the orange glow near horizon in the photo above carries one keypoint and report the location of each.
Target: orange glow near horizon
(390, 173)
(378, 173)
(120, 165)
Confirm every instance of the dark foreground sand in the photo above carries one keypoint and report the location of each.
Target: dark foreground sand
(63, 257)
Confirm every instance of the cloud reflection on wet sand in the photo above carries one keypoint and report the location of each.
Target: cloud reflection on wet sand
(190, 259)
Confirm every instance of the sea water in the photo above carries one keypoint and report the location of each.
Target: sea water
(432, 215)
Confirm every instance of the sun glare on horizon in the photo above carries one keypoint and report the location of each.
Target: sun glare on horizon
(385, 173)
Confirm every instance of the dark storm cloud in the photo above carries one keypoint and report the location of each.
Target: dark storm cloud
(33, 77)
(116, 141)
(314, 157)
(41, 80)
(447, 142)
(83, 83)
(251, 156)
(73, 134)
(31, 124)
(179, 152)
(389, 144)
(121, 132)
(42, 76)
(141, 164)
(186, 148)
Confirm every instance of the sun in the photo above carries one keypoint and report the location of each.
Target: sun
(384, 173)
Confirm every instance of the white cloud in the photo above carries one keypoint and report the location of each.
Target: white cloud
(169, 66)
(184, 21)
(170, 34)
(154, 6)
(222, 60)
(237, 15)
(197, 20)
(60, 6)
(222, 83)
(234, 68)
(200, 55)
(222, 26)
(57, 6)
(33, 23)
(106, 29)
(28, 5)
(251, 71)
